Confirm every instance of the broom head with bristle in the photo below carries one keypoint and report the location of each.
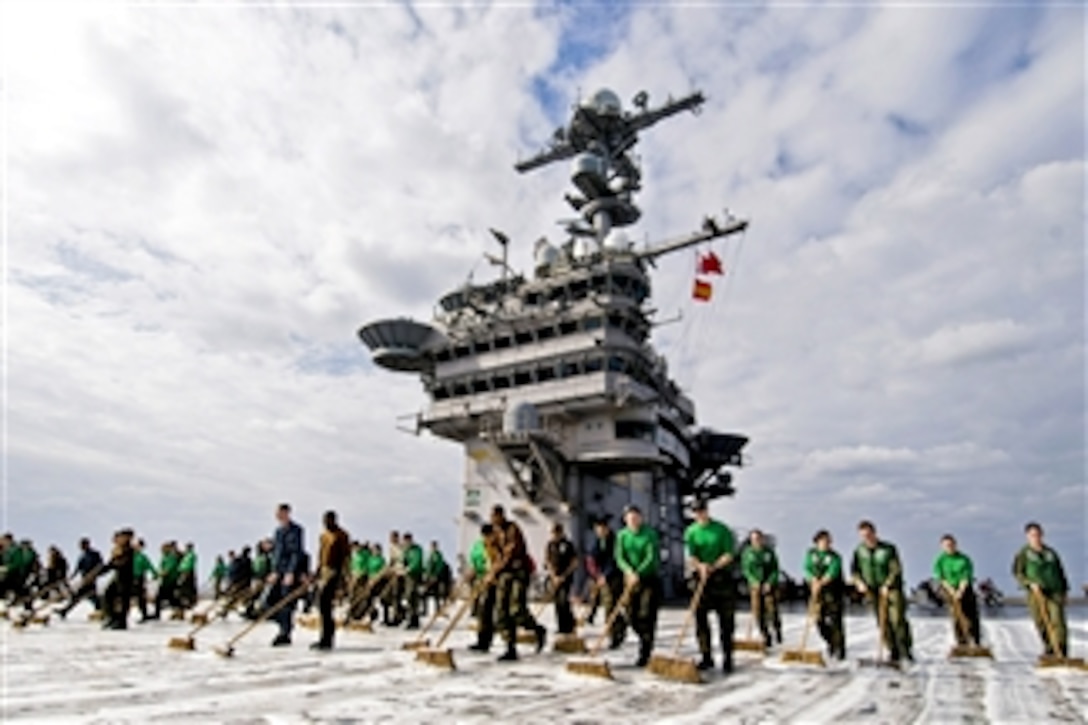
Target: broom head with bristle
(185, 643)
(19, 623)
(971, 650)
(677, 669)
(96, 616)
(870, 662)
(225, 651)
(199, 618)
(570, 644)
(436, 658)
(803, 657)
(757, 646)
(42, 619)
(416, 645)
(359, 627)
(178, 615)
(1048, 661)
(591, 668)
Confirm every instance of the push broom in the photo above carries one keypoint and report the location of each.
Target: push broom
(801, 655)
(365, 624)
(438, 657)
(595, 666)
(1054, 660)
(673, 666)
(750, 644)
(35, 616)
(959, 621)
(227, 650)
(188, 642)
(421, 640)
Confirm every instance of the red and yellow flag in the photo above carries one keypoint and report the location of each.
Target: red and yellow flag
(702, 291)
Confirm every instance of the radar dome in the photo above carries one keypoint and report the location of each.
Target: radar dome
(545, 255)
(583, 249)
(617, 241)
(605, 102)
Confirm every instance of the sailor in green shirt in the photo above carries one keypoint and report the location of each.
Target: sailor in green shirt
(413, 579)
(759, 565)
(437, 575)
(219, 573)
(955, 575)
(638, 555)
(168, 578)
(710, 547)
(878, 574)
(187, 577)
(823, 572)
(483, 603)
(1038, 569)
(377, 580)
(141, 567)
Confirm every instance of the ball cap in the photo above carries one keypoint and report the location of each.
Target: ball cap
(699, 505)
(631, 509)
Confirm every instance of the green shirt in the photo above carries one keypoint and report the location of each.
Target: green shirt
(1040, 567)
(760, 566)
(638, 552)
(953, 569)
(169, 566)
(376, 562)
(879, 566)
(477, 557)
(413, 560)
(260, 566)
(220, 570)
(435, 564)
(141, 566)
(360, 562)
(188, 563)
(708, 542)
(820, 564)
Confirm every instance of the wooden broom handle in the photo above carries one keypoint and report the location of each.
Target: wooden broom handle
(628, 589)
(480, 586)
(1041, 602)
(268, 613)
(813, 603)
(691, 613)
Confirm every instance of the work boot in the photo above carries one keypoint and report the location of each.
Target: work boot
(727, 665)
(767, 641)
(541, 637)
(281, 640)
(778, 636)
(706, 663)
(321, 646)
(511, 654)
(643, 654)
(616, 642)
(479, 647)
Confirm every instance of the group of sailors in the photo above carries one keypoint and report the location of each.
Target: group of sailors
(394, 585)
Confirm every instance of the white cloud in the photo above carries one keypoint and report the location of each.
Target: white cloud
(204, 206)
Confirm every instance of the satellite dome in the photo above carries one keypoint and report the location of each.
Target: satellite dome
(545, 254)
(583, 249)
(617, 241)
(605, 102)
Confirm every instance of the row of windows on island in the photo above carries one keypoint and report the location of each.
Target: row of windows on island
(578, 289)
(630, 322)
(632, 365)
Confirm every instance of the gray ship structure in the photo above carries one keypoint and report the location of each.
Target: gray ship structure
(565, 411)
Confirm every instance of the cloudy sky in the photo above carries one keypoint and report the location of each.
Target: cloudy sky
(205, 203)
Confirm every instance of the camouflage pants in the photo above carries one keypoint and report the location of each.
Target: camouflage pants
(413, 590)
(897, 635)
(1055, 614)
(829, 621)
(392, 599)
(767, 614)
(359, 597)
(512, 608)
(642, 609)
(717, 598)
(969, 620)
(483, 608)
(608, 595)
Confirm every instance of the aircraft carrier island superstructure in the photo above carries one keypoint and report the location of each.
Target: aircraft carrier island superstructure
(550, 383)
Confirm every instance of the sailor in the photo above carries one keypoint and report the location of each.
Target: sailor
(878, 574)
(512, 565)
(823, 572)
(483, 602)
(438, 577)
(760, 567)
(141, 567)
(360, 576)
(168, 579)
(219, 575)
(393, 591)
(187, 577)
(334, 552)
(376, 573)
(1038, 569)
(262, 567)
(638, 555)
(711, 547)
(561, 559)
(56, 572)
(18, 563)
(955, 575)
(413, 579)
(119, 591)
(287, 567)
(88, 568)
(607, 578)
